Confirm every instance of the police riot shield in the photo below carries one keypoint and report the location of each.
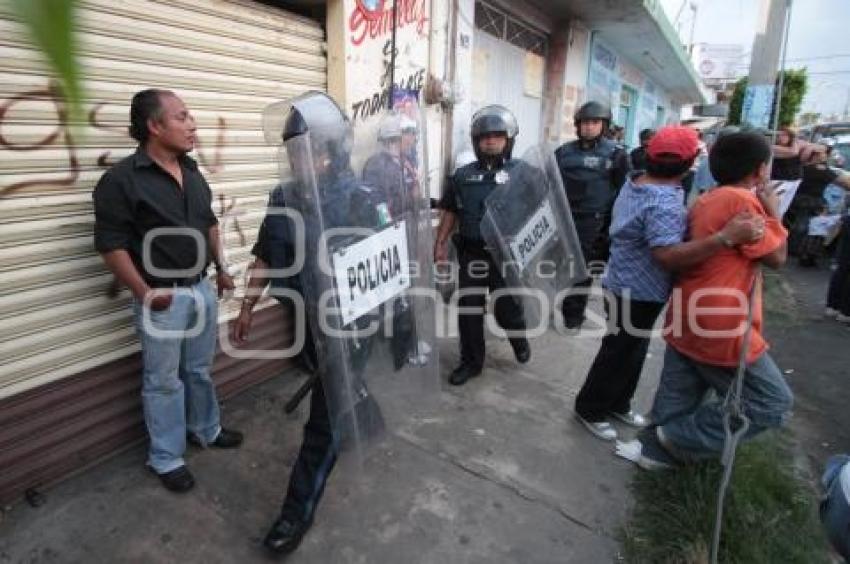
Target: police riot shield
(529, 230)
(364, 274)
(395, 167)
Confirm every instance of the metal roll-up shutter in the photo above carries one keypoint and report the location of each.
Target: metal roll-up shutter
(58, 322)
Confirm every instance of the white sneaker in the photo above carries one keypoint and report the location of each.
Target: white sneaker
(601, 429)
(841, 318)
(422, 355)
(829, 312)
(632, 418)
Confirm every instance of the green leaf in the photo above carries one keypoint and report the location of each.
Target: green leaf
(52, 28)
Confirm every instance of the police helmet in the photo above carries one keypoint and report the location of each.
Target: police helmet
(494, 119)
(390, 127)
(593, 110)
(409, 125)
(316, 114)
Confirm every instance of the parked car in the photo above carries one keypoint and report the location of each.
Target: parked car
(834, 130)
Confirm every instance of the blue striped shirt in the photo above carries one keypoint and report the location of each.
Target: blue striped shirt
(645, 216)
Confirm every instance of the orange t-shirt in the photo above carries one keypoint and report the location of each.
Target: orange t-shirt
(707, 312)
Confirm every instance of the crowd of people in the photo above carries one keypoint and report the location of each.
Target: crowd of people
(817, 220)
(699, 256)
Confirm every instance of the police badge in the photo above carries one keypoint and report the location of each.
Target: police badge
(501, 177)
(592, 162)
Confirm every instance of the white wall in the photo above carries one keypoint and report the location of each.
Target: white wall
(500, 75)
(435, 114)
(463, 81)
(575, 77)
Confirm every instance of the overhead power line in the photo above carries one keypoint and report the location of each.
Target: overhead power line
(819, 57)
(829, 72)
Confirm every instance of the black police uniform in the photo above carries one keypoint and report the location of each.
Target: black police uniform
(465, 196)
(592, 177)
(346, 203)
(383, 172)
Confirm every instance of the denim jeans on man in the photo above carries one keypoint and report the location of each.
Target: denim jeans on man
(835, 506)
(694, 424)
(178, 394)
(838, 295)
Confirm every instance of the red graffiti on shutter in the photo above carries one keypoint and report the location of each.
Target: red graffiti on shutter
(62, 131)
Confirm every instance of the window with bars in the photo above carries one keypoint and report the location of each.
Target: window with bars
(490, 20)
(505, 27)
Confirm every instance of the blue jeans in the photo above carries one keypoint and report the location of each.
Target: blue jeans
(177, 391)
(693, 423)
(835, 508)
(838, 296)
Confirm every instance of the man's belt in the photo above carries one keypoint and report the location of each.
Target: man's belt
(172, 282)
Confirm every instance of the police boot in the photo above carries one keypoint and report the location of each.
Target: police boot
(522, 350)
(573, 310)
(285, 535)
(463, 373)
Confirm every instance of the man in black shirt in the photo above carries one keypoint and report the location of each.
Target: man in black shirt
(638, 156)
(156, 231)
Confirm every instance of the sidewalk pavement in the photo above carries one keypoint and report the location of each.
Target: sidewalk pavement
(500, 473)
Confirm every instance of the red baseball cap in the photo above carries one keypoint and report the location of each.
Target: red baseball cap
(673, 142)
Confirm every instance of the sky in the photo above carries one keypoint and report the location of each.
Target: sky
(817, 40)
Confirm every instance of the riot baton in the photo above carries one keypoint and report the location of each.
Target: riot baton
(300, 393)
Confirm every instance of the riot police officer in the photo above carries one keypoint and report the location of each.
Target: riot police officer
(593, 169)
(343, 202)
(390, 171)
(494, 130)
(383, 170)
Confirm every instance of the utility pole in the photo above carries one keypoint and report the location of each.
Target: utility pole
(769, 45)
(847, 105)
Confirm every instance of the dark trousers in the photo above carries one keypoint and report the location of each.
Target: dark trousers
(797, 218)
(615, 372)
(592, 231)
(838, 296)
(323, 440)
(315, 461)
(575, 303)
(479, 272)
